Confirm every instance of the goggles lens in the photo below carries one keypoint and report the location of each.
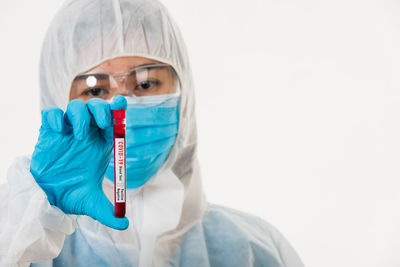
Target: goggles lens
(145, 80)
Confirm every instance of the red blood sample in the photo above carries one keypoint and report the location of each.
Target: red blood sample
(119, 163)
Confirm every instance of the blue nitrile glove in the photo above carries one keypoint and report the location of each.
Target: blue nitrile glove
(71, 157)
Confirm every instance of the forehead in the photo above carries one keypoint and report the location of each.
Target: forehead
(122, 64)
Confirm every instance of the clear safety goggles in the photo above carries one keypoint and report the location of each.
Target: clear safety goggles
(142, 81)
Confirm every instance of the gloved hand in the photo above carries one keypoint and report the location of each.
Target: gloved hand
(72, 155)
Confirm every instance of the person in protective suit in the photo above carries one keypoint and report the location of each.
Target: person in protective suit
(57, 206)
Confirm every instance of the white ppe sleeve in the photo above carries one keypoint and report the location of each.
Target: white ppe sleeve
(31, 230)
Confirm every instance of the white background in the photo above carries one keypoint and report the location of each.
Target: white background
(298, 106)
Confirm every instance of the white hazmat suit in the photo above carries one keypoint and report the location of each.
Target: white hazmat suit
(171, 224)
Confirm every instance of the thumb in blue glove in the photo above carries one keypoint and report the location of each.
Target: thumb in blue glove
(71, 157)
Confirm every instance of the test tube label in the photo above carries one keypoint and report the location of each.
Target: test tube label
(120, 178)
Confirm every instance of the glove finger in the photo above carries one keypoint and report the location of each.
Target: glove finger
(52, 118)
(55, 118)
(78, 116)
(108, 134)
(104, 213)
(119, 102)
(101, 112)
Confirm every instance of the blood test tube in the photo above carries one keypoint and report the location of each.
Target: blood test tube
(119, 163)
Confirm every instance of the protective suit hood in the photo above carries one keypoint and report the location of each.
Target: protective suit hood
(106, 29)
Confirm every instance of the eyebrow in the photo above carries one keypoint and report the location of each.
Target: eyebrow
(143, 65)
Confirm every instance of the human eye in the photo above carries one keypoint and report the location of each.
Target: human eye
(147, 85)
(95, 92)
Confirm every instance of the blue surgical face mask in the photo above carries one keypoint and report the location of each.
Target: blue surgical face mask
(151, 129)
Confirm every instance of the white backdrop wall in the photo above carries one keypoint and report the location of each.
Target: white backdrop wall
(298, 106)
